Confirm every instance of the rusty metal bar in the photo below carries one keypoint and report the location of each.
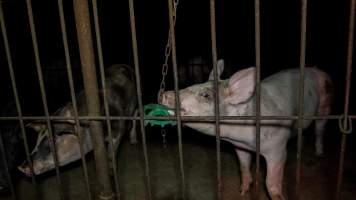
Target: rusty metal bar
(139, 96)
(176, 89)
(105, 97)
(43, 95)
(183, 118)
(303, 32)
(216, 99)
(73, 97)
(258, 95)
(82, 18)
(16, 96)
(350, 48)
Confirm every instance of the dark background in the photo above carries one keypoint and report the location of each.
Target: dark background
(280, 35)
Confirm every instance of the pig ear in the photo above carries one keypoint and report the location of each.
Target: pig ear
(220, 68)
(241, 86)
(38, 126)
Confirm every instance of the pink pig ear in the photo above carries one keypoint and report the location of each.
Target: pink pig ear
(241, 86)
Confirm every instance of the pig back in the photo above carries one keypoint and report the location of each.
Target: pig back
(121, 89)
(120, 92)
(279, 94)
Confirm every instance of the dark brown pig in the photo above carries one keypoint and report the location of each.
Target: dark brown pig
(122, 101)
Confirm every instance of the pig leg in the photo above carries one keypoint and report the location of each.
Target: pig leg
(119, 129)
(325, 90)
(133, 133)
(245, 165)
(275, 168)
(319, 133)
(324, 109)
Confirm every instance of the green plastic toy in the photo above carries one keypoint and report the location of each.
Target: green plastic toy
(158, 110)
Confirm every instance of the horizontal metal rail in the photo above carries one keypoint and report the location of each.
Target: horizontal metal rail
(184, 118)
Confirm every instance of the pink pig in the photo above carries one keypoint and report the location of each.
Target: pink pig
(279, 97)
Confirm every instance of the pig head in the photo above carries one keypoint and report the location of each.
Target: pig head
(121, 100)
(279, 97)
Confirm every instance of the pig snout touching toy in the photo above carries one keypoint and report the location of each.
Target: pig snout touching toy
(279, 97)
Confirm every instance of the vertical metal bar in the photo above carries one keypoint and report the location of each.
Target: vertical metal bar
(350, 48)
(106, 106)
(4, 160)
(43, 95)
(176, 89)
(14, 89)
(216, 99)
(303, 32)
(139, 95)
(73, 96)
(82, 18)
(258, 95)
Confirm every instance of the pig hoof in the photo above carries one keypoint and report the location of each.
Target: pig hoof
(244, 189)
(26, 170)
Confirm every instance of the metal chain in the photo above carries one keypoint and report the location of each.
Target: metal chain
(164, 139)
(167, 53)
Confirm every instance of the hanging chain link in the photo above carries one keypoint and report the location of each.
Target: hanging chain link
(164, 139)
(167, 53)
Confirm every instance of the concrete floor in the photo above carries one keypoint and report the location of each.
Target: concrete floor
(318, 174)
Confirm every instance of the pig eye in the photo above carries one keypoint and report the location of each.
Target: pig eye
(205, 95)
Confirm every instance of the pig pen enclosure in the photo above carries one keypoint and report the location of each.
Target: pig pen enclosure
(52, 50)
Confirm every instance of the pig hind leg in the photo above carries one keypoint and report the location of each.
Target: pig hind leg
(319, 136)
(324, 108)
(118, 130)
(275, 170)
(245, 165)
(133, 133)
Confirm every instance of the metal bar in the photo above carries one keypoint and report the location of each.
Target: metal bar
(301, 93)
(73, 97)
(14, 89)
(105, 97)
(176, 89)
(43, 96)
(350, 48)
(4, 160)
(216, 99)
(258, 95)
(86, 50)
(139, 95)
(229, 119)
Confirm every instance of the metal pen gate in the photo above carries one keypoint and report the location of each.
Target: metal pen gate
(106, 191)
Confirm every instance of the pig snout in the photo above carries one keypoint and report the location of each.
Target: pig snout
(26, 168)
(168, 99)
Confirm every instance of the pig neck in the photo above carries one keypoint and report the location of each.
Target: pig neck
(244, 109)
